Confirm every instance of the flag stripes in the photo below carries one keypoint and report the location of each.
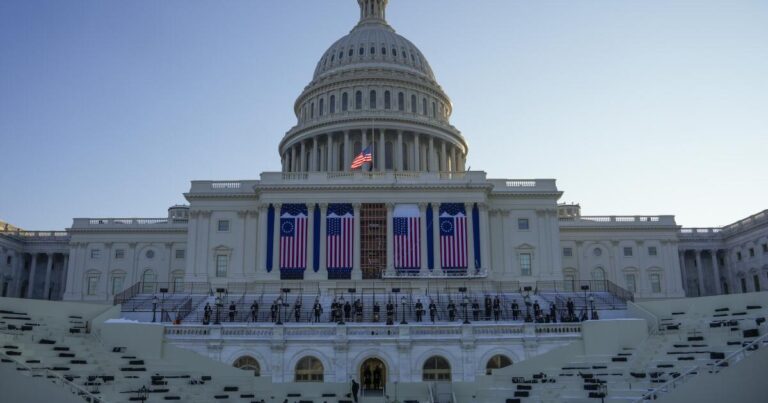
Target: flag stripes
(453, 236)
(340, 236)
(293, 236)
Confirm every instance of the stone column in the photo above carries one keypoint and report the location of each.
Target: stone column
(310, 239)
(470, 237)
(31, 284)
(345, 156)
(485, 236)
(276, 241)
(683, 276)
(431, 167)
(716, 266)
(323, 239)
(390, 238)
(443, 161)
(293, 160)
(436, 235)
(261, 240)
(416, 152)
(357, 273)
(382, 151)
(302, 160)
(64, 275)
(104, 279)
(48, 276)
(454, 163)
(700, 271)
(330, 161)
(423, 236)
(399, 154)
(315, 155)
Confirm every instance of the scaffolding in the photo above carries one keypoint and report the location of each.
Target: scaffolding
(373, 240)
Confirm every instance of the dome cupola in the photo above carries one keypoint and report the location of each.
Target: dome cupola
(373, 88)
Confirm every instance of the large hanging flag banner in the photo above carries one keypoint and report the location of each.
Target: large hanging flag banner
(339, 242)
(406, 226)
(293, 239)
(453, 236)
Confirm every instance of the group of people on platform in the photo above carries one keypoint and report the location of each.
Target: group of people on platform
(344, 311)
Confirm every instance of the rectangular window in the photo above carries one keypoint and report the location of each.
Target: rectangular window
(117, 285)
(738, 256)
(95, 253)
(179, 253)
(119, 253)
(222, 261)
(223, 226)
(631, 282)
(652, 251)
(523, 224)
(93, 283)
(756, 280)
(525, 264)
(628, 251)
(567, 252)
(751, 252)
(765, 248)
(656, 283)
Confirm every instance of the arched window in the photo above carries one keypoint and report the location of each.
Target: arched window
(598, 274)
(372, 100)
(177, 280)
(498, 361)
(312, 110)
(322, 106)
(341, 55)
(359, 100)
(92, 283)
(400, 101)
(248, 363)
(341, 157)
(655, 282)
(390, 158)
(361, 51)
(394, 52)
(383, 51)
(413, 103)
(631, 281)
(148, 281)
(117, 279)
(351, 52)
(436, 368)
(332, 104)
(344, 102)
(434, 109)
(387, 100)
(373, 50)
(424, 106)
(309, 369)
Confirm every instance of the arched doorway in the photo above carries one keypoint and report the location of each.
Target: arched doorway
(436, 368)
(373, 376)
(498, 361)
(248, 363)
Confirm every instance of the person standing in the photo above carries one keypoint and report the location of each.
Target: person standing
(515, 310)
(475, 310)
(376, 311)
(207, 313)
(355, 389)
(496, 309)
(273, 311)
(571, 309)
(297, 310)
(451, 310)
(419, 310)
(552, 312)
(390, 312)
(347, 311)
(318, 310)
(488, 307)
(377, 377)
(255, 311)
(232, 311)
(432, 310)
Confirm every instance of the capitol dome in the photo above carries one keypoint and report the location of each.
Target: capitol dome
(373, 88)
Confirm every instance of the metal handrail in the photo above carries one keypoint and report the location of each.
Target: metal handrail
(665, 387)
(88, 396)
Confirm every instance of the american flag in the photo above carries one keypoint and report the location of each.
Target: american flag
(362, 158)
(407, 236)
(340, 236)
(293, 236)
(453, 236)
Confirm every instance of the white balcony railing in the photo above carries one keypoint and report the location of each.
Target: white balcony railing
(617, 220)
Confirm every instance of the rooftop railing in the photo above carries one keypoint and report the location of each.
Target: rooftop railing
(619, 220)
(37, 235)
(128, 222)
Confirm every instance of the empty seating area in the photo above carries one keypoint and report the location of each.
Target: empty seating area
(685, 344)
(66, 351)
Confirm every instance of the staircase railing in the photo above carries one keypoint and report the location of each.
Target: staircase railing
(733, 357)
(77, 389)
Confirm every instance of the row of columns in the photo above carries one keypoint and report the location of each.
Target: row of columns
(700, 269)
(18, 260)
(484, 240)
(424, 152)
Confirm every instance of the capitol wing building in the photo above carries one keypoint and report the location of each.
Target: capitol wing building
(374, 210)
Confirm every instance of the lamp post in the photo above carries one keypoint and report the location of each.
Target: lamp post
(142, 394)
(162, 304)
(403, 301)
(154, 308)
(465, 304)
(279, 309)
(219, 303)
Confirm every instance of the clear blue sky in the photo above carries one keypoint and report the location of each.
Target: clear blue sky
(110, 108)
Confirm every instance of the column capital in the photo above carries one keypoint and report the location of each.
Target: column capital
(253, 213)
(389, 206)
(505, 213)
(169, 245)
(323, 207)
(132, 245)
(311, 207)
(205, 213)
(263, 207)
(242, 213)
(482, 206)
(356, 205)
(108, 245)
(423, 206)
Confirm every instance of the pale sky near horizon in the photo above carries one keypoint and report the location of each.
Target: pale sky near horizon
(110, 108)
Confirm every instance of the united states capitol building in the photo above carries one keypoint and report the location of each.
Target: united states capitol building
(411, 228)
